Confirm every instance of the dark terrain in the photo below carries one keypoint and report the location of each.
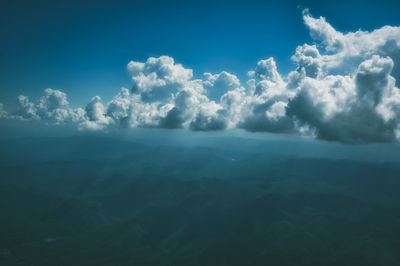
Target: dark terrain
(87, 201)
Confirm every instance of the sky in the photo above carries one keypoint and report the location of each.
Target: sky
(84, 48)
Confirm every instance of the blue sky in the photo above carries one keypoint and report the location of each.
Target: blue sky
(82, 47)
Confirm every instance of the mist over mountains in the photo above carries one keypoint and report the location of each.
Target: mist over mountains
(102, 200)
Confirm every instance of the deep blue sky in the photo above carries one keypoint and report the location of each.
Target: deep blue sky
(82, 47)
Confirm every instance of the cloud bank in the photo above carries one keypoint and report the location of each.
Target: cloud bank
(345, 88)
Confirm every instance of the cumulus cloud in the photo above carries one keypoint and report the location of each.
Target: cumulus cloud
(266, 101)
(218, 84)
(51, 108)
(352, 97)
(158, 79)
(266, 70)
(321, 30)
(3, 113)
(345, 87)
(25, 109)
(95, 115)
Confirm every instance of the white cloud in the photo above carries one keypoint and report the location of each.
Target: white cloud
(51, 108)
(118, 107)
(3, 113)
(264, 108)
(95, 115)
(321, 30)
(159, 78)
(353, 96)
(25, 109)
(308, 60)
(216, 85)
(344, 88)
(266, 70)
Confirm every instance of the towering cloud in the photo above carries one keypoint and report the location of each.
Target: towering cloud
(345, 88)
(353, 97)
